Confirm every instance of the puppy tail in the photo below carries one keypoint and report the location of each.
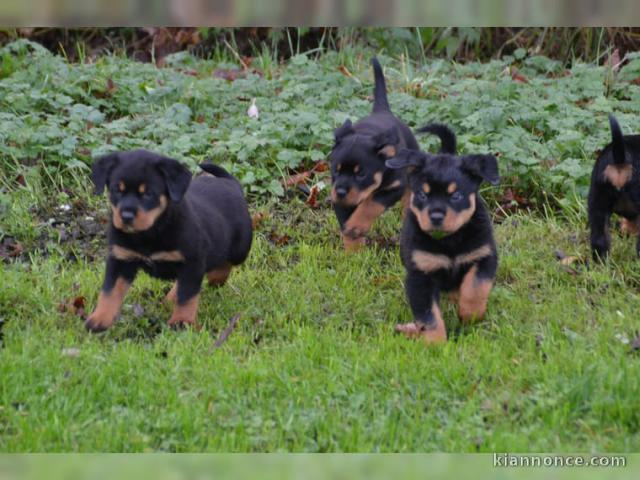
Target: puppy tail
(447, 137)
(216, 170)
(617, 141)
(380, 102)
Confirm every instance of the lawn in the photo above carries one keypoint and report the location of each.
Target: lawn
(313, 364)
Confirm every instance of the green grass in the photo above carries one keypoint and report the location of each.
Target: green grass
(314, 364)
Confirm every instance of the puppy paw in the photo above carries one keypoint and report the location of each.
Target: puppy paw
(355, 232)
(97, 323)
(419, 331)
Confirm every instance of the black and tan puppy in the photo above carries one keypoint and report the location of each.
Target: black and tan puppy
(447, 240)
(171, 227)
(615, 188)
(363, 188)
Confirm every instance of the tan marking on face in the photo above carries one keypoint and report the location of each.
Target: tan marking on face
(422, 216)
(426, 188)
(218, 276)
(185, 313)
(454, 220)
(430, 262)
(474, 294)
(108, 306)
(362, 218)
(121, 186)
(388, 151)
(354, 196)
(630, 227)
(392, 185)
(356, 169)
(473, 255)
(143, 220)
(618, 175)
(142, 188)
(453, 186)
(430, 334)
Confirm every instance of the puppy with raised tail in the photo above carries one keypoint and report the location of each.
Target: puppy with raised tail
(447, 242)
(171, 227)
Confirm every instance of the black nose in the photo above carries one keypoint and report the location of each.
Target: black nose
(436, 218)
(128, 216)
(341, 192)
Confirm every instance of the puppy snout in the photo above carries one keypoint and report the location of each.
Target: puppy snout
(341, 192)
(436, 217)
(128, 216)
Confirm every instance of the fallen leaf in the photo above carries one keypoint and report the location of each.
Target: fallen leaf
(345, 71)
(297, 179)
(321, 166)
(517, 76)
(257, 219)
(227, 331)
(312, 199)
(279, 240)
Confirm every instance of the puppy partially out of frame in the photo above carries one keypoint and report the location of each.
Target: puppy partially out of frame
(170, 226)
(615, 188)
(447, 242)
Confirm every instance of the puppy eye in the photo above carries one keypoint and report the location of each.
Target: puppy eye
(422, 195)
(360, 175)
(456, 196)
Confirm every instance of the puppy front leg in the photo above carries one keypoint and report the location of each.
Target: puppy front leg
(189, 283)
(118, 278)
(359, 223)
(342, 214)
(424, 300)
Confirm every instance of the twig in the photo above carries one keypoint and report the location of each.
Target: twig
(227, 331)
(235, 54)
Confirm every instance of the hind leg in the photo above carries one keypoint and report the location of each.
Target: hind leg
(218, 276)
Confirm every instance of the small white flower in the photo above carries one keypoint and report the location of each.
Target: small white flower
(64, 207)
(253, 110)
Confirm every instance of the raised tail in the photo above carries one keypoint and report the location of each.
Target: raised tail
(617, 141)
(380, 102)
(447, 137)
(216, 170)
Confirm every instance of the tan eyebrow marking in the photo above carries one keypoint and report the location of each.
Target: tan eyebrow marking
(142, 188)
(453, 186)
(426, 188)
(356, 169)
(121, 186)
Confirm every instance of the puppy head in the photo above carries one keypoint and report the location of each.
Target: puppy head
(357, 163)
(444, 187)
(141, 185)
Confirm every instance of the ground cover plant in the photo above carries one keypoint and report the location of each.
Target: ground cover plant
(312, 363)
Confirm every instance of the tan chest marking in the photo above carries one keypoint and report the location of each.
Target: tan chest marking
(127, 255)
(430, 262)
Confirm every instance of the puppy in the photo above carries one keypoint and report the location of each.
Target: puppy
(615, 188)
(447, 238)
(362, 187)
(171, 227)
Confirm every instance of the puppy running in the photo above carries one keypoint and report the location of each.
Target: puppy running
(447, 238)
(362, 187)
(169, 226)
(615, 188)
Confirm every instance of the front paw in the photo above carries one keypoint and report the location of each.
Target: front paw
(353, 245)
(421, 331)
(354, 232)
(97, 322)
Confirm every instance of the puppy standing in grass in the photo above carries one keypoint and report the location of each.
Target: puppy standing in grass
(363, 188)
(615, 188)
(447, 238)
(169, 226)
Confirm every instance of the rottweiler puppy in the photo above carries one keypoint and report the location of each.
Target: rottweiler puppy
(363, 188)
(615, 188)
(170, 226)
(447, 240)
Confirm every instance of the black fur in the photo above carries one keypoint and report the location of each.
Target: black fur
(451, 181)
(206, 220)
(358, 156)
(605, 198)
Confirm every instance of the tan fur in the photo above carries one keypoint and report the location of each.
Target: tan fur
(356, 169)
(172, 296)
(143, 220)
(426, 188)
(392, 185)
(362, 218)
(355, 196)
(454, 220)
(428, 262)
(473, 255)
(142, 188)
(219, 275)
(352, 244)
(169, 256)
(388, 151)
(127, 255)
(629, 227)
(618, 175)
(453, 186)
(474, 294)
(435, 334)
(422, 216)
(108, 306)
(121, 186)
(185, 314)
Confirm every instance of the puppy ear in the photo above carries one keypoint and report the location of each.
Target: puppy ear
(101, 169)
(483, 166)
(176, 176)
(341, 132)
(385, 142)
(405, 158)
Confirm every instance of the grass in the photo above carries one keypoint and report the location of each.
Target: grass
(313, 364)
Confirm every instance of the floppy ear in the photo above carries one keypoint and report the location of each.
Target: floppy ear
(405, 158)
(340, 132)
(385, 142)
(101, 169)
(482, 166)
(176, 177)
